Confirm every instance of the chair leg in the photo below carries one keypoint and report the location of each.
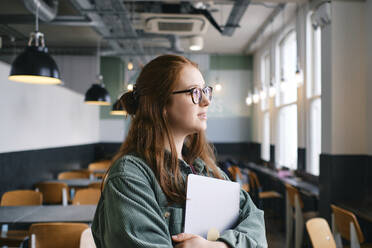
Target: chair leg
(336, 234)
(289, 223)
(354, 242)
(299, 219)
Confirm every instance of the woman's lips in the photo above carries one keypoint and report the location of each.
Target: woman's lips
(202, 116)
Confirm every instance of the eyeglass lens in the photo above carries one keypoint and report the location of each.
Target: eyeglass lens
(197, 94)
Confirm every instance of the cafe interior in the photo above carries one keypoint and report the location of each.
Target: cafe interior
(289, 118)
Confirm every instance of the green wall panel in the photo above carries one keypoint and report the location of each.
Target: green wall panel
(231, 62)
(112, 70)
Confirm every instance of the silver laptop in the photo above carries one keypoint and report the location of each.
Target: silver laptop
(212, 205)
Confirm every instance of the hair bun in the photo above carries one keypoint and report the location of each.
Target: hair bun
(130, 102)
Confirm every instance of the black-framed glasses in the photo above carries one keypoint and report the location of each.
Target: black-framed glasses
(196, 93)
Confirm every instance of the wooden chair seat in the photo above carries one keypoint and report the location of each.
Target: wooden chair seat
(100, 165)
(345, 225)
(73, 175)
(56, 235)
(52, 192)
(88, 196)
(269, 194)
(320, 234)
(13, 238)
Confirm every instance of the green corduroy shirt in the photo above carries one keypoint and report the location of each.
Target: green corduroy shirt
(133, 210)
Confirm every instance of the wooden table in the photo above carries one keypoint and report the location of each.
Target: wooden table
(47, 213)
(76, 183)
(304, 187)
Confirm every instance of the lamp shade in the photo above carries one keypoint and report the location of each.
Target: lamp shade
(97, 95)
(117, 108)
(34, 65)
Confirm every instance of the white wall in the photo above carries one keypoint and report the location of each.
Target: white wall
(348, 85)
(228, 115)
(368, 30)
(43, 116)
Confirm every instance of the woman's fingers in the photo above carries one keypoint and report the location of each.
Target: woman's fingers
(183, 236)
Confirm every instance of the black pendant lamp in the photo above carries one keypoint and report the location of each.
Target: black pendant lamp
(34, 65)
(97, 94)
(117, 109)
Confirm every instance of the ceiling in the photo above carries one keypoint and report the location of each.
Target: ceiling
(76, 29)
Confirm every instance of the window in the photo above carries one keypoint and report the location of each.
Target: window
(288, 62)
(286, 101)
(313, 97)
(265, 130)
(265, 146)
(287, 137)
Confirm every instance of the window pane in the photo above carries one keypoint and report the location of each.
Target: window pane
(315, 137)
(287, 137)
(265, 145)
(317, 63)
(288, 59)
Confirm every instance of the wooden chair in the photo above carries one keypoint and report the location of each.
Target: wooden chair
(57, 235)
(294, 206)
(86, 239)
(100, 165)
(14, 238)
(21, 198)
(73, 175)
(87, 197)
(53, 192)
(346, 225)
(320, 234)
(262, 195)
(103, 165)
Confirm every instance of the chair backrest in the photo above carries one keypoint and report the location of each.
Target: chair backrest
(342, 220)
(320, 233)
(57, 235)
(291, 193)
(235, 172)
(73, 175)
(52, 191)
(254, 183)
(21, 198)
(86, 239)
(101, 165)
(87, 197)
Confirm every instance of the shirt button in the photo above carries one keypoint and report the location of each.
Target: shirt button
(166, 214)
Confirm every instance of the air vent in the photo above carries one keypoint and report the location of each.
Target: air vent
(179, 24)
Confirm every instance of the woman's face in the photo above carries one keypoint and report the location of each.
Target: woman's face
(186, 117)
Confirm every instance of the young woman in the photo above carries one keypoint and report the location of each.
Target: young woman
(143, 200)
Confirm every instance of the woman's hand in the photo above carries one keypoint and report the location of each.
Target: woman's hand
(186, 240)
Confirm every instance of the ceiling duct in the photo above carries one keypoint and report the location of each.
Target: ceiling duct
(178, 24)
(47, 11)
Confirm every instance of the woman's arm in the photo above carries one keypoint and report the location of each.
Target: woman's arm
(131, 216)
(250, 230)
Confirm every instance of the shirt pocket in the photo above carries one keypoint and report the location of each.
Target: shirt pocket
(174, 218)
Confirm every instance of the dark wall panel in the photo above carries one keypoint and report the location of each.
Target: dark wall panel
(21, 170)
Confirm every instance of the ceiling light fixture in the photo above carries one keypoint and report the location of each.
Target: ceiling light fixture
(130, 87)
(130, 65)
(97, 94)
(196, 43)
(218, 87)
(117, 108)
(34, 65)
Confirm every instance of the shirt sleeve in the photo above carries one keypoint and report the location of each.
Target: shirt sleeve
(132, 216)
(250, 230)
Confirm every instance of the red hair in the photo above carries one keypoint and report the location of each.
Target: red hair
(149, 127)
